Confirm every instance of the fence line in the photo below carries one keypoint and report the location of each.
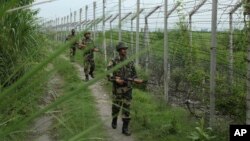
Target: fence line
(196, 14)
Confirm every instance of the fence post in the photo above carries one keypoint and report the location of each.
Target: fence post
(230, 77)
(86, 16)
(80, 19)
(64, 28)
(103, 30)
(166, 65)
(74, 24)
(119, 22)
(247, 25)
(56, 29)
(213, 63)
(68, 24)
(111, 34)
(248, 73)
(94, 20)
(132, 32)
(61, 29)
(131, 37)
(146, 38)
(166, 50)
(137, 32)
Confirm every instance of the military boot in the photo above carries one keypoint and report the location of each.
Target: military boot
(125, 130)
(87, 77)
(91, 74)
(114, 123)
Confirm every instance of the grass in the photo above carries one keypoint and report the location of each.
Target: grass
(79, 113)
(23, 105)
(153, 120)
(23, 80)
(21, 49)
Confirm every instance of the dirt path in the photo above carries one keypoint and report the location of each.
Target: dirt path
(103, 104)
(42, 126)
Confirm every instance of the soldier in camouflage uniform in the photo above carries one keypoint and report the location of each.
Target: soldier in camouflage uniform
(122, 89)
(90, 48)
(73, 46)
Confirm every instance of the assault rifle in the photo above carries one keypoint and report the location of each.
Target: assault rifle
(136, 80)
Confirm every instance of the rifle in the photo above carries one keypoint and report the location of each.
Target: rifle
(136, 80)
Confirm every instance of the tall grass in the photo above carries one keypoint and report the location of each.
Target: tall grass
(20, 49)
(79, 113)
(21, 67)
(20, 43)
(153, 120)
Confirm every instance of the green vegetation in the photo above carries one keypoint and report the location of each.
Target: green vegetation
(78, 113)
(153, 120)
(20, 49)
(20, 43)
(24, 56)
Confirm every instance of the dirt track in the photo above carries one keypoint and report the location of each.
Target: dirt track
(42, 126)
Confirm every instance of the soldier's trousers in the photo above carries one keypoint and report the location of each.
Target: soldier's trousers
(72, 53)
(89, 66)
(121, 101)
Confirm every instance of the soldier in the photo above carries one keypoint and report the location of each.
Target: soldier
(90, 48)
(122, 88)
(73, 46)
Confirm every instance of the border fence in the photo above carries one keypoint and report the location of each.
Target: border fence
(197, 49)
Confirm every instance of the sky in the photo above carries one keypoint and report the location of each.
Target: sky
(201, 19)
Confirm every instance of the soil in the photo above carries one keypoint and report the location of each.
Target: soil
(42, 126)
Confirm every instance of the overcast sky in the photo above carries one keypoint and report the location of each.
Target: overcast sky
(201, 19)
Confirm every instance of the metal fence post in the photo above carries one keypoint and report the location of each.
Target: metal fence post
(80, 19)
(213, 63)
(119, 22)
(165, 66)
(86, 16)
(231, 59)
(137, 32)
(103, 30)
(146, 38)
(247, 25)
(94, 20)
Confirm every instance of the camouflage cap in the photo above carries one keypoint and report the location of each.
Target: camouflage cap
(121, 45)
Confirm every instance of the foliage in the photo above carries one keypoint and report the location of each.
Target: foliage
(240, 40)
(246, 6)
(20, 41)
(20, 50)
(79, 109)
(201, 133)
(233, 105)
(153, 120)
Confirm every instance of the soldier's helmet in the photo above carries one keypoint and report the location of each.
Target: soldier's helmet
(121, 45)
(86, 33)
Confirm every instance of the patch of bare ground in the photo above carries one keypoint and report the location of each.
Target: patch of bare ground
(42, 126)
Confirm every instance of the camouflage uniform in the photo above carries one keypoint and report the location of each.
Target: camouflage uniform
(122, 94)
(89, 63)
(72, 47)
